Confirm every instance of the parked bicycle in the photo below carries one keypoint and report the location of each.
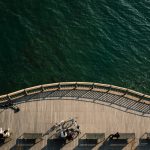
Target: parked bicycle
(68, 123)
(62, 125)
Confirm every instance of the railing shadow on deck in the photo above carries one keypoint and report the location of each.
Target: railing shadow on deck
(109, 95)
(97, 101)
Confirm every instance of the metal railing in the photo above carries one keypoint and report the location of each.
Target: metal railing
(78, 86)
(114, 95)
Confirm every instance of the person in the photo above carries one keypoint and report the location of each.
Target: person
(69, 134)
(6, 133)
(77, 127)
(63, 134)
(117, 135)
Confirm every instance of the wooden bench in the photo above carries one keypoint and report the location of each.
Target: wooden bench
(32, 135)
(122, 140)
(91, 139)
(145, 139)
(29, 139)
(126, 136)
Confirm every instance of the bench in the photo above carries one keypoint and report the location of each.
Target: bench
(29, 139)
(145, 139)
(91, 139)
(122, 140)
(127, 136)
(32, 135)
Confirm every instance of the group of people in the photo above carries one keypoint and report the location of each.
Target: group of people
(69, 133)
(4, 133)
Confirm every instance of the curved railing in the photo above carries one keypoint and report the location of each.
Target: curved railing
(123, 94)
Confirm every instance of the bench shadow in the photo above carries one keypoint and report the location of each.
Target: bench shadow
(24, 144)
(114, 144)
(88, 144)
(55, 144)
(144, 144)
(4, 141)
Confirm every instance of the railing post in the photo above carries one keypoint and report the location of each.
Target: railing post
(59, 86)
(141, 98)
(92, 86)
(25, 92)
(125, 93)
(42, 88)
(108, 89)
(76, 85)
(9, 98)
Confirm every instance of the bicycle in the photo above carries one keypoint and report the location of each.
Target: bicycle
(62, 125)
(68, 123)
(56, 127)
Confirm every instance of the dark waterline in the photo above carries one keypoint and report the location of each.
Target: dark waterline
(52, 41)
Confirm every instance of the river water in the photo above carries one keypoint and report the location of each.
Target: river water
(46, 41)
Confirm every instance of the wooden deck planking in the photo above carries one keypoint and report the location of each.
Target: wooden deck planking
(38, 116)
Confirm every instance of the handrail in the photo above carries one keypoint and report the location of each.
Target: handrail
(78, 85)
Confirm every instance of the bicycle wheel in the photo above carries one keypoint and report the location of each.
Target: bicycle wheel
(67, 124)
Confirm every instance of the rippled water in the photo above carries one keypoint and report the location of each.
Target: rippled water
(44, 41)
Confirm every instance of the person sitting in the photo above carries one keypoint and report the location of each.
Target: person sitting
(6, 133)
(63, 134)
(77, 127)
(117, 135)
(69, 135)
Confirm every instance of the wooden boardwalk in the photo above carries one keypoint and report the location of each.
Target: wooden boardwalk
(97, 111)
